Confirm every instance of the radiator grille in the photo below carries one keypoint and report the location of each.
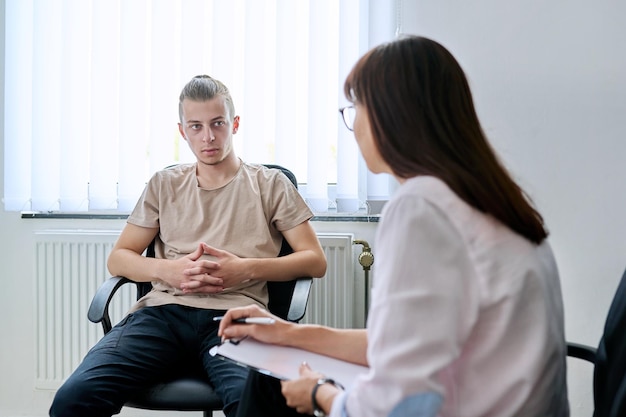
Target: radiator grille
(71, 264)
(332, 300)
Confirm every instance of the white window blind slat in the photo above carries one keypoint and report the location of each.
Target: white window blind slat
(292, 87)
(134, 107)
(322, 98)
(75, 114)
(285, 78)
(46, 110)
(197, 38)
(347, 194)
(104, 103)
(257, 129)
(18, 93)
(165, 64)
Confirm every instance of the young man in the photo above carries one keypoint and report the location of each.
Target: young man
(218, 224)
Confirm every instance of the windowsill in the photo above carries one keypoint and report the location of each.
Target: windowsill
(75, 216)
(320, 217)
(347, 217)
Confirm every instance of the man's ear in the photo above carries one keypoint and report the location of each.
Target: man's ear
(235, 124)
(181, 131)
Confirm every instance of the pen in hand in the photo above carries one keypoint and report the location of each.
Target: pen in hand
(249, 320)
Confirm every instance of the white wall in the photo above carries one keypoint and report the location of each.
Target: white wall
(549, 87)
(548, 81)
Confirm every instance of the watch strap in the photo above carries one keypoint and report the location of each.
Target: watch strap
(317, 410)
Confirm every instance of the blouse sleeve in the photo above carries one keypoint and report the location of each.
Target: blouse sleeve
(424, 303)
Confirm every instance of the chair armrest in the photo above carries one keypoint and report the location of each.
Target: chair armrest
(300, 298)
(99, 307)
(584, 352)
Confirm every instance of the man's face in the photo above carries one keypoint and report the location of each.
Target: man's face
(208, 129)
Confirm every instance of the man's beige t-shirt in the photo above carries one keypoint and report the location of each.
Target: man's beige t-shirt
(244, 217)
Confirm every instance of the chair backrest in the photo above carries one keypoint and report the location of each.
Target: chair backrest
(280, 293)
(609, 381)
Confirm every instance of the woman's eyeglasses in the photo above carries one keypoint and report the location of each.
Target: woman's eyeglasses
(347, 114)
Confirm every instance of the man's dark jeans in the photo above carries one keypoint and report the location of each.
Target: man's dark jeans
(150, 345)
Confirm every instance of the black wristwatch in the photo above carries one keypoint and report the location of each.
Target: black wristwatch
(317, 410)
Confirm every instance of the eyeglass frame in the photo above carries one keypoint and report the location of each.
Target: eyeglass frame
(345, 116)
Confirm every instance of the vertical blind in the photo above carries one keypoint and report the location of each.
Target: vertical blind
(91, 94)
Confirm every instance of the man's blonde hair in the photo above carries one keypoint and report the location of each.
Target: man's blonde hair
(204, 88)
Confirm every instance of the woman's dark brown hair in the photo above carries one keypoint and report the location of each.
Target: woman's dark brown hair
(424, 122)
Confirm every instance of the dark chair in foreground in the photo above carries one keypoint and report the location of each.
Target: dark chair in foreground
(609, 359)
(287, 300)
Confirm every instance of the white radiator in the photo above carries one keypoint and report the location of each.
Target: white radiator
(334, 299)
(71, 265)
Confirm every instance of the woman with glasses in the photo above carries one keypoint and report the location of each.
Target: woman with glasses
(466, 316)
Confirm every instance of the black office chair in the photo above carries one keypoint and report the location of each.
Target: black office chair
(609, 359)
(287, 300)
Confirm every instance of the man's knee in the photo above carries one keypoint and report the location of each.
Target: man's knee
(77, 397)
(65, 400)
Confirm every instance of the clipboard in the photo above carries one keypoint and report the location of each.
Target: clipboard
(283, 362)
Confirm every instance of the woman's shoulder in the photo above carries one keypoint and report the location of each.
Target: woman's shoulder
(424, 200)
(430, 189)
(442, 202)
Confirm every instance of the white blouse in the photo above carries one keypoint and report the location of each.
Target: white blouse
(466, 316)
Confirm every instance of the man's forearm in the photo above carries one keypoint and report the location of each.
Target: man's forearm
(307, 263)
(129, 264)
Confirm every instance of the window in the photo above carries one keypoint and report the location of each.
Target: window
(91, 94)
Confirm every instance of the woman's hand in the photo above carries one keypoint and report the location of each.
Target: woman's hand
(298, 392)
(275, 333)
